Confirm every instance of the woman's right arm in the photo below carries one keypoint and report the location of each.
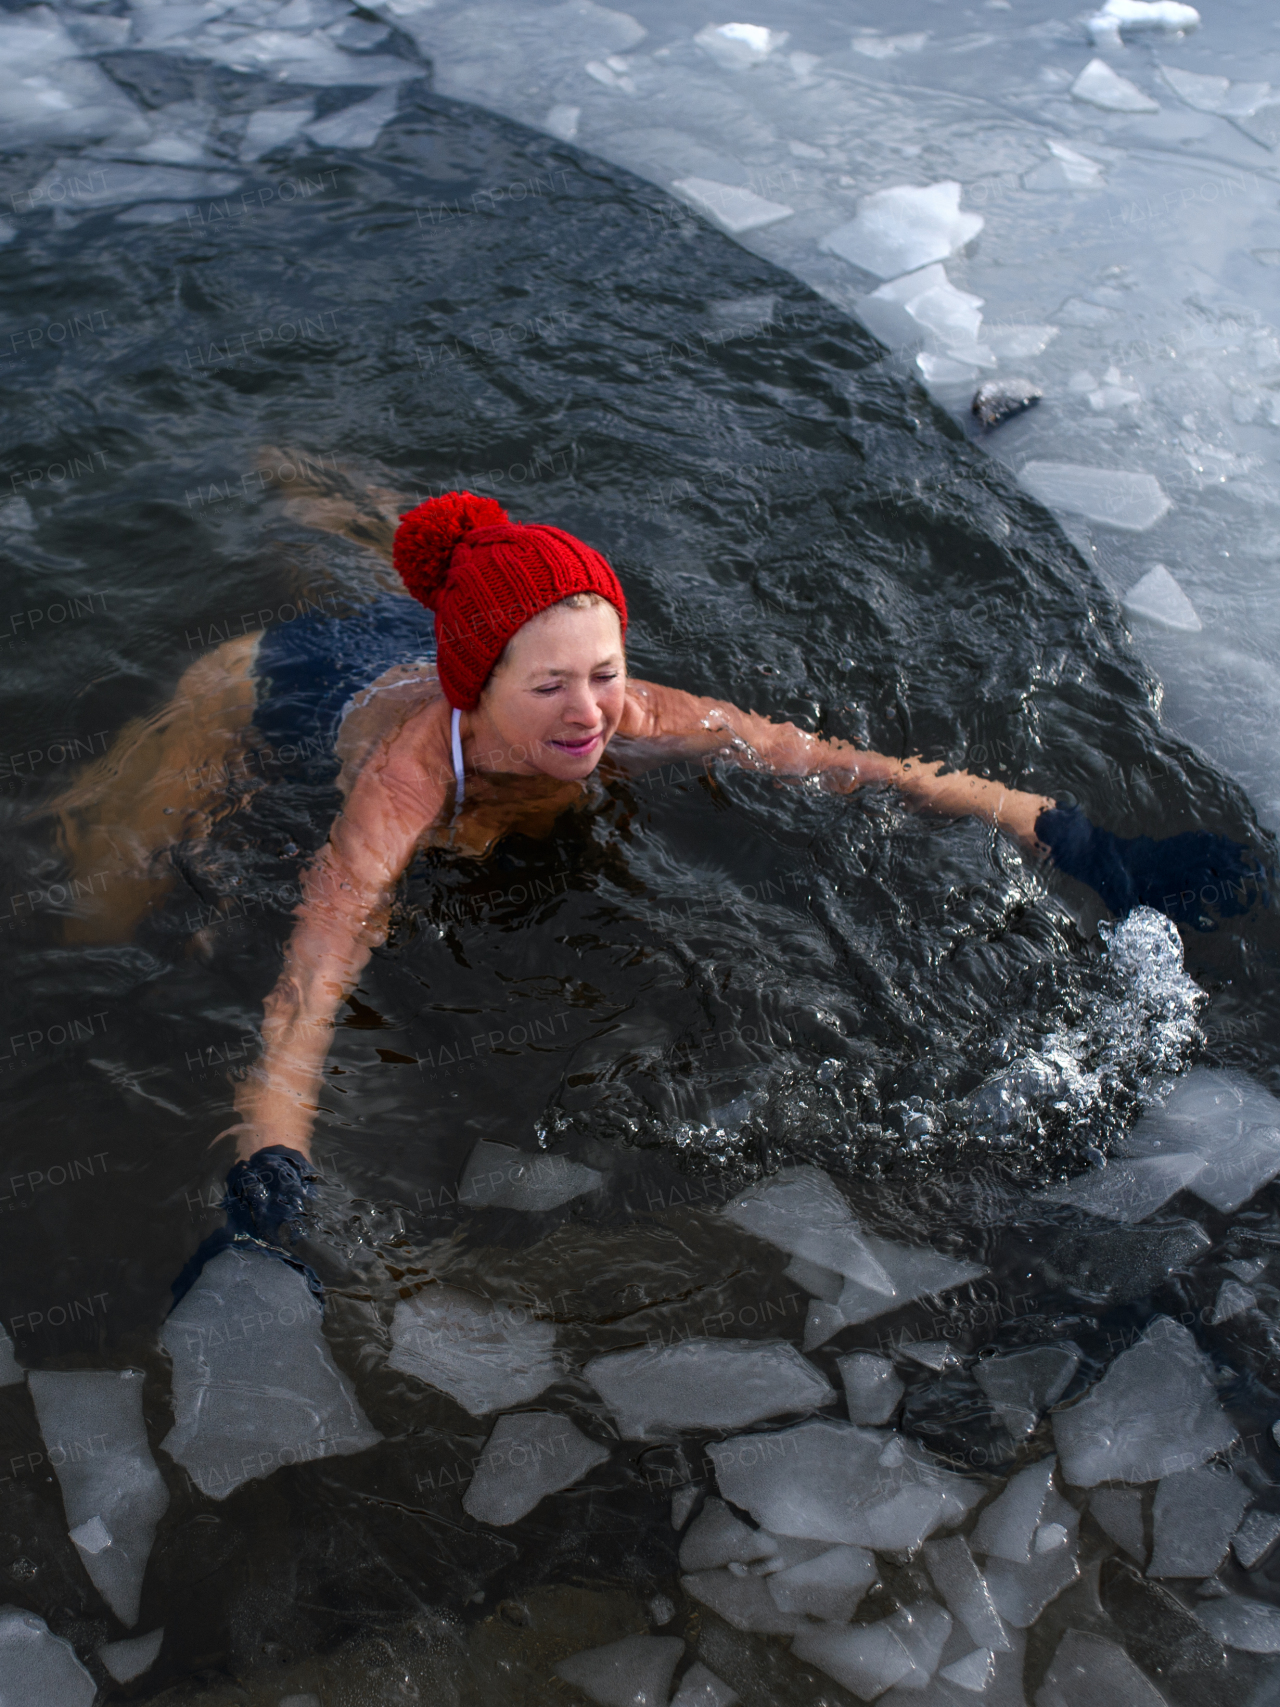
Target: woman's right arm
(343, 916)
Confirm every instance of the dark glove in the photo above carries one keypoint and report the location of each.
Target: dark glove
(1181, 876)
(265, 1195)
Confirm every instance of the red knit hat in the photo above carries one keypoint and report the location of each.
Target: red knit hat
(485, 576)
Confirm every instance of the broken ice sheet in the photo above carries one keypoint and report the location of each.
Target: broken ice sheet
(1154, 1411)
(1225, 1117)
(700, 1687)
(739, 46)
(1128, 1190)
(872, 1389)
(1125, 15)
(486, 1356)
(801, 1211)
(733, 208)
(129, 1659)
(636, 1671)
(1232, 1300)
(1022, 1384)
(1196, 1513)
(112, 1492)
(356, 126)
(1253, 1626)
(37, 1668)
(959, 1582)
(529, 1454)
(254, 1384)
(1159, 598)
(719, 1538)
(272, 127)
(1118, 1511)
(1256, 1538)
(1089, 1671)
(741, 1600)
(900, 229)
(870, 1658)
(1115, 497)
(1020, 1592)
(1007, 1527)
(498, 1176)
(827, 1586)
(914, 1271)
(1102, 87)
(1217, 94)
(705, 1384)
(1066, 169)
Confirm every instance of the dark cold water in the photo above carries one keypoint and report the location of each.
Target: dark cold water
(701, 980)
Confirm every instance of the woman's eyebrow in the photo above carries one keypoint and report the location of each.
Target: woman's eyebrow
(613, 658)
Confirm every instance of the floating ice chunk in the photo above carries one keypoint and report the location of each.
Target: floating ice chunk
(734, 209)
(37, 1668)
(833, 1481)
(739, 46)
(1249, 1625)
(1154, 1411)
(635, 1672)
(562, 121)
(1067, 170)
(1119, 1512)
(11, 1370)
(272, 127)
(498, 1176)
(914, 1272)
(1022, 1384)
(933, 1354)
(309, 59)
(948, 370)
(254, 1384)
(485, 1356)
(610, 77)
(802, 1212)
(113, 1494)
(682, 1503)
(974, 1672)
(905, 227)
(357, 126)
(719, 1538)
(1247, 1268)
(958, 1581)
(871, 1387)
(1020, 1592)
(871, 1658)
(1049, 1536)
(1254, 1541)
(700, 1687)
(1119, 15)
(1195, 1515)
(1007, 1527)
(1217, 94)
(1089, 1671)
(953, 316)
(1224, 1117)
(1017, 343)
(829, 1586)
(885, 47)
(129, 1659)
(1113, 496)
(1233, 1300)
(1128, 1191)
(529, 1454)
(743, 1601)
(117, 184)
(1102, 87)
(1159, 598)
(705, 1384)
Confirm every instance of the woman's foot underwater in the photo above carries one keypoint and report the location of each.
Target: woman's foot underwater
(265, 1200)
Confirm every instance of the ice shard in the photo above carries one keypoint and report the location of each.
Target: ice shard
(486, 1356)
(529, 1454)
(705, 1384)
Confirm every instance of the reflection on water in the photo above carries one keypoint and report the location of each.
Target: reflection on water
(554, 1340)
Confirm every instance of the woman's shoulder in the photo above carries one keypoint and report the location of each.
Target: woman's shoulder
(405, 702)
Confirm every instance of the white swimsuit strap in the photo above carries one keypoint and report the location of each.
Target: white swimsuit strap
(459, 775)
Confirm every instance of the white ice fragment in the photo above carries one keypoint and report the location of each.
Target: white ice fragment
(1112, 397)
(1246, 1268)
(1102, 87)
(485, 1356)
(900, 229)
(562, 121)
(804, 64)
(870, 1658)
(949, 370)
(739, 46)
(1007, 1527)
(529, 1454)
(313, 60)
(953, 316)
(11, 1370)
(1255, 1539)
(1119, 15)
(272, 127)
(1196, 1513)
(498, 1176)
(829, 1586)
(802, 1212)
(1022, 1384)
(1232, 1300)
(700, 1687)
(734, 209)
(974, 1672)
(130, 1658)
(871, 1387)
(255, 1386)
(682, 1503)
(91, 1536)
(114, 1488)
(1020, 1592)
(705, 1383)
(741, 1600)
(1154, 1411)
(611, 79)
(885, 47)
(1066, 170)
(933, 1354)
(635, 1672)
(958, 1581)
(1159, 598)
(37, 1668)
(1224, 1116)
(914, 1272)
(1249, 1625)
(1128, 1190)
(1217, 94)
(357, 126)
(1049, 1536)
(1115, 497)
(117, 184)
(1018, 343)
(718, 1538)
(1089, 1671)
(819, 1282)
(1119, 1512)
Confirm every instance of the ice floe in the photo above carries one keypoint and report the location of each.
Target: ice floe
(963, 1587)
(497, 1176)
(1218, 94)
(1195, 1515)
(740, 46)
(255, 1386)
(742, 1600)
(872, 1388)
(733, 208)
(1232, 1300)
(705, 1383)
(37, 1668)
(1007, 1527)
(802, 1212)
(356, 126)
(635, 1672)
(1115, 497)
(1100, 86)
(874, 46)
(1117, 16)
(916, 1272)
(1118, 1511)
(1090, 1671)
(899, 229)
(870, 1658)
(1253, 1626)
(716, 1538)
(1154, 1412)
(486, 1356)
(1255, 1540)
(1128, 1190)
(700, 1687)
(129, 1659)
(829, 1585)
(529, 1455)
(1020, 1590)
(1158, 597)
(1023, 1384)
(1228, 1120)
(113, 1493)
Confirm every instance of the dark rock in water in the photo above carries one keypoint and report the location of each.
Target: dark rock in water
(1164, 1638)
(1123, 1264)
(999, 399)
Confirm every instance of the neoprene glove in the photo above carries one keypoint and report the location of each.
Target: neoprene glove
(1181, 876)
(265, 1196)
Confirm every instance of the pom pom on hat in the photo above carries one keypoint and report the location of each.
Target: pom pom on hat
(427, 535)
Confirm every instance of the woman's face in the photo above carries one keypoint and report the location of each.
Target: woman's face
(553, 704)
